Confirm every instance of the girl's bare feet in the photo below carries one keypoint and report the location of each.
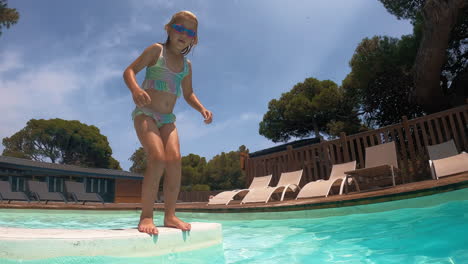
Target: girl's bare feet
(174, 221)
(146, 225)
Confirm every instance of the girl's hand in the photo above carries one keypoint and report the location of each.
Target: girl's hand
(141, 98)
(207, 115)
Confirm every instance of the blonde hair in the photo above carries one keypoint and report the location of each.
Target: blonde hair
(184, 14)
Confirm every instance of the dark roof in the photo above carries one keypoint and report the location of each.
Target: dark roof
(72, 170)
(294, 144)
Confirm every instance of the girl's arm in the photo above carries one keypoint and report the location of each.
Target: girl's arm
(147, 58)
(192, 99)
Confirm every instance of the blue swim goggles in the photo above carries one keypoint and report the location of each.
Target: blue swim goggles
(179, 28)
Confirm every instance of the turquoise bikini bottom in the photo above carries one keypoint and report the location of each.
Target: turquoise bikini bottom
(160, 119)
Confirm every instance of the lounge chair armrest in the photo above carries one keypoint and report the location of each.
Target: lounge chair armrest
(286, 188)
(100, 197)
(432, 169)
(73, 195)
(26, 196)
(292, 185)
(63, 197)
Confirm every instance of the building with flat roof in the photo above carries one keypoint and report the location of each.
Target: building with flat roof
(113, 185)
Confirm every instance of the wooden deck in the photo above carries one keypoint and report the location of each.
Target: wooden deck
(399, 192)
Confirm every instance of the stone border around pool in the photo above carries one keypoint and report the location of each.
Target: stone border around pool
(28, 244)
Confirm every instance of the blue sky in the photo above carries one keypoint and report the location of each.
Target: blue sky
(65, 59)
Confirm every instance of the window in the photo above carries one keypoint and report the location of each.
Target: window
(56, 184)
(98, 185)
(18, 184)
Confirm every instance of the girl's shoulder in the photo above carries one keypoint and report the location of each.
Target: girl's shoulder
(155, 48)
(152, 53)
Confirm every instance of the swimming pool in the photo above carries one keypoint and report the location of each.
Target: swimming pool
(430, 229)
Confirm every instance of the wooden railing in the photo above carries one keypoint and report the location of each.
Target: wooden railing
(411, 138)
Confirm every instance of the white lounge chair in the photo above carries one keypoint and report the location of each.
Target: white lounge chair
(322, 187)
(445, 160)
(381, 160)
(227, 196)
(288, 182)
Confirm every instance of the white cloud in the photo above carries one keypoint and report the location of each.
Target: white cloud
(34, 89)
(191, 126)
(152, 4)
(74, 86)
(69, 87)
(10, 61)
(34, 93)
(251, 116)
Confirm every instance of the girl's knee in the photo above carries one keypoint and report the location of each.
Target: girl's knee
(173, 158)
(158, 158)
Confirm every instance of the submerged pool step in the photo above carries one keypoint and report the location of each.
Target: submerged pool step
(27, 244)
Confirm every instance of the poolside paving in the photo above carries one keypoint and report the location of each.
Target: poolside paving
(403, 191)
(30, 244)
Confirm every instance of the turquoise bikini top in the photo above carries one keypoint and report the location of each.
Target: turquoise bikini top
(160, 78)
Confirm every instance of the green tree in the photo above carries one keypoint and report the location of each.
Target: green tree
(243, 148)
(308, 109)
(440, 69)
(381, 80)
(193, 168)
(223, 171)
(61, 141)
(407, 9)
(139, 161)
(8, 16)
(201, 187)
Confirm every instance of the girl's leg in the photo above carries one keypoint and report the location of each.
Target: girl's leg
(150, 138)
(173, 176)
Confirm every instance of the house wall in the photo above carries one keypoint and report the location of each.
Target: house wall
(127, 191)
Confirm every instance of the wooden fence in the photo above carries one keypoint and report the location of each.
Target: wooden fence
(411, 138)
(196, 196)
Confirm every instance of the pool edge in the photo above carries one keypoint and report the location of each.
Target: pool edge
(31, 244)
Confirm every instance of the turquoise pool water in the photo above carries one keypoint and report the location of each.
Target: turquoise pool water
(430, 229)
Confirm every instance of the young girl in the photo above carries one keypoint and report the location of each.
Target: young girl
(168, 75)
